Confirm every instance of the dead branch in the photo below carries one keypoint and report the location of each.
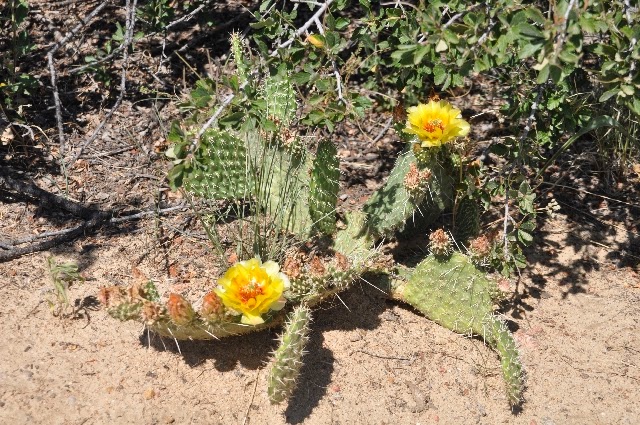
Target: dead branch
(93, 218)
(23, 189)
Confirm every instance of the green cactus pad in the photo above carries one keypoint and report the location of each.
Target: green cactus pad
(458, 296)
(218, 169)
(286, 192)
(324, 185)
(467, 220)
(280, 99)
(287, 359)
(392, 205)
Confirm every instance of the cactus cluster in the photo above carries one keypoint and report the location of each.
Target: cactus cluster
(296, 192)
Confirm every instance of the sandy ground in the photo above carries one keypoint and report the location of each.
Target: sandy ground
(376, 362)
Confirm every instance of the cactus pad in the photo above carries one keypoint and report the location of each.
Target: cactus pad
(218, 169)
(398, 200)
(458, 296)
(287, 359)
(324, 186)
(467, 220)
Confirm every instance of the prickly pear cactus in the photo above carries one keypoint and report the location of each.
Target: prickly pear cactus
(455, 294)
(177, 318)
(323, 187)
(424, 188)
(287, 360)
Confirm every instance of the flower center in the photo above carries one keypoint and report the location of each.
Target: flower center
(431, 125)
(250, 291)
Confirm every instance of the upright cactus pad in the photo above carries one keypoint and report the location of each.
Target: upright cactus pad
(399, 199)
(324, 185)
(467, 220)
(458, 296)
(287, 359)
(285, 192)
(280, 99)
(218, 169)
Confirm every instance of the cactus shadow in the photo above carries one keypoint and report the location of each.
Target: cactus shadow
(250, 351)
(315, 377)
(358, 308)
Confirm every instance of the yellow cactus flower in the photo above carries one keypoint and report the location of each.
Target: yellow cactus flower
(435, 123)
(251, 288)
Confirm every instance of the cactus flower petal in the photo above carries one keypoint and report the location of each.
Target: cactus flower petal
(252, 288)
(435, 123)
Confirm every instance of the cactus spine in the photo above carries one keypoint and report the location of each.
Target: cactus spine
(287, 360)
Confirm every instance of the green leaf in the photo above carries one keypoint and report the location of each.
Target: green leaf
(556, 73)
(528, 50)
(300, 78)
(231, 119)
(421, 51)
(528, 30)
(524, 237)
(543, 75)
(608, 94)
(439, 74)
(262, 24)
(341, 23)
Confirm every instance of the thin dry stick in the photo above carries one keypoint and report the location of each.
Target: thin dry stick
(129, 23)
(52, 239)
(336, 73)
(52, 69)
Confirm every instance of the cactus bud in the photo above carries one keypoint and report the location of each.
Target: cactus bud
(151, 312)
(440, 243)
(317, 268)
(479, 248)
(180, 310)
(342, 262)
(111, 296)
(212, 309)
(416, 181)
(292, 266)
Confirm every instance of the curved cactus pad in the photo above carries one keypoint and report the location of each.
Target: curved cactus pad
(458, 296)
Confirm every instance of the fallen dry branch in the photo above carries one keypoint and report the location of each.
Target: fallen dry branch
(93, 218)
